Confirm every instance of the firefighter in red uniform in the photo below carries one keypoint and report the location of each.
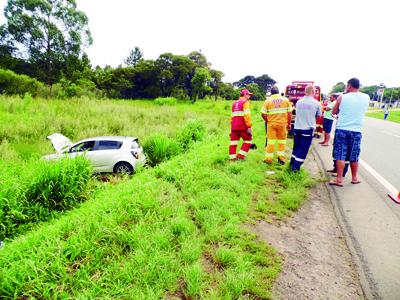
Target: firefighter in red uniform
(240, 126)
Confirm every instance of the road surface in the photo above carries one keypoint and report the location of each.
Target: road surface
(381, 148)
(370, 218)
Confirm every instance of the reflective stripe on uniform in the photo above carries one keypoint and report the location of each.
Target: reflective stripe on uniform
(282, 142)
(271, 142)
(246, 111)
(247, 142)
(297, 159)
(244, 153)
(234, 143)
(269, 155)
(232, 156)
(275, 111)
(281, 153)
(237, 114)
(264, 111)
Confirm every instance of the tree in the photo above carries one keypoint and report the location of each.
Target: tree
(258, 93)
(46, 33)
(242, 83)
(265, 83)
(199, 59)
(216, 82)
(134, 57)
(338, 88)
(200, 83)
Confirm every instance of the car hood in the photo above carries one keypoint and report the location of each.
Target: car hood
(59, 142)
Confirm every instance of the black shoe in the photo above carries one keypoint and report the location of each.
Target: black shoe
(281, 162)
(331, 171)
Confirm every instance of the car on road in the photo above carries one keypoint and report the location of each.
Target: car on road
(107, 154)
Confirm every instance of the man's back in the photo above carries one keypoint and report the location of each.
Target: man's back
(276, 108)
(307, 109)
(352, 110)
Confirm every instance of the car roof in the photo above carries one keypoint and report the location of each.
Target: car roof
(109, 138)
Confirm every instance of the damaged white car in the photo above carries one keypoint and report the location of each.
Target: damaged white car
(107, 154)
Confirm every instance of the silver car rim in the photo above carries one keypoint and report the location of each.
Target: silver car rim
(123, 169)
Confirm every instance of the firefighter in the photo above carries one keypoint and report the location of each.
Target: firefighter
(240, 126)
(277, 113)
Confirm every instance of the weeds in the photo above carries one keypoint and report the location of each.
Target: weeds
(166, 101)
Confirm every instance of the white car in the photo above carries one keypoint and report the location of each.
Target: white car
(107, 154)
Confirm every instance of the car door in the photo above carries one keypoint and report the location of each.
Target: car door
(106, 152)
(83, 148)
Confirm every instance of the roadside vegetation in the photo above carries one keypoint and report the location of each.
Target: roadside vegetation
(393, 116)
(178, 230)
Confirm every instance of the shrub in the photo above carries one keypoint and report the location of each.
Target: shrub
(159, 148)
(14, 84)
(193, 131)
(166, 101)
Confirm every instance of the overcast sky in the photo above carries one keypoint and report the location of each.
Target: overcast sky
(323, 41)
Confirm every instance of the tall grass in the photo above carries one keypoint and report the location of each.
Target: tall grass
(36, 191)
(27, 123)
(173, 231)
(166, 101)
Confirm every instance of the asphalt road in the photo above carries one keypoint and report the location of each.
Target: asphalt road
(369, 218)
(381, 148)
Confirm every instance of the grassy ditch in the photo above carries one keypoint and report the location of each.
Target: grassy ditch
(175, 231)
(393, 116)
(38, 191)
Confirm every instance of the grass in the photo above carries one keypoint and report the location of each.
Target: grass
(393, 116)
(177, 230)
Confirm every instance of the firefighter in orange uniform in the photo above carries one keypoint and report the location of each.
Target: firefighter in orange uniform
(240, 126)
(277, 113)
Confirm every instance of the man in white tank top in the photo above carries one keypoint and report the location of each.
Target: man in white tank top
(350, 108)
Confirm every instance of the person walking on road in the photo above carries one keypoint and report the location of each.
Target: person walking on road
(307, 110)
(328, 120)
(240, 126)
(385, 112)
(350, 108)
(277, 113)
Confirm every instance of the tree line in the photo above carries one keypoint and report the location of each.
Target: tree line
(46, 40)
(390, 94)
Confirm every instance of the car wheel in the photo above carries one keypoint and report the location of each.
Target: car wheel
(123, 168)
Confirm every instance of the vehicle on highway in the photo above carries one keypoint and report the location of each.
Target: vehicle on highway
(296, 91)
(107, 154)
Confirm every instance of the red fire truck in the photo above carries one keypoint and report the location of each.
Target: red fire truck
(296, 91)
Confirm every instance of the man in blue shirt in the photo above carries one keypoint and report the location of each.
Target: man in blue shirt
(350, 108)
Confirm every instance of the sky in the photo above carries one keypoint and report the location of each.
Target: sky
(321, 41)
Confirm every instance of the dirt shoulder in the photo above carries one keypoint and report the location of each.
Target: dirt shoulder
(317, 262)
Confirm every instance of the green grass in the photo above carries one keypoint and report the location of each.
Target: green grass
(394, 116)
(179, 229)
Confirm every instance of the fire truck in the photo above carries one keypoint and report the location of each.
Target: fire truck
(296, 91)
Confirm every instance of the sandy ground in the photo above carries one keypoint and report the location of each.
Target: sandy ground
(317, 263)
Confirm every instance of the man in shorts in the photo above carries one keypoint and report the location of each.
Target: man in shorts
(350, 108)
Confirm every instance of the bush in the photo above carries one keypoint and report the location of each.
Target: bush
(38, 191)
(159, 148)
(14, 84)
(59, 185)
(193, 131)
(166, 101)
